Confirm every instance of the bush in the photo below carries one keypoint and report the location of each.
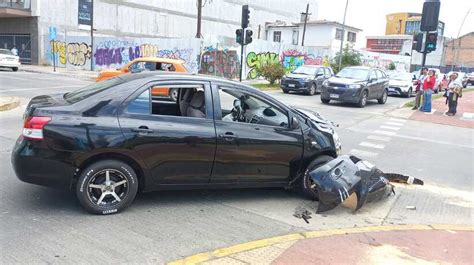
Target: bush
(350, 57)
(392, 66)
(272, 72)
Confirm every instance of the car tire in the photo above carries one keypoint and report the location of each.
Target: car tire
(362, 99)
(173, 94)
(408, 94)
(99, 194)
(383, 98)
(325, 101)
(306, 188)
(312, 90)
(285, 91)
(14, 69)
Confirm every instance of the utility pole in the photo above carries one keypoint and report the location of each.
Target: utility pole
(456, 54)
(199, 6)
(305, 21)
(92, 35)
(342, 37)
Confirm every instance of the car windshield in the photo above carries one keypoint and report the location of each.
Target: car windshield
(7, 52)
(85, 92)
(353, 73)
(402, 76)
(305, 70)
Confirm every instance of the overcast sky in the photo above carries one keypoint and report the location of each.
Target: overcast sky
(369, 15)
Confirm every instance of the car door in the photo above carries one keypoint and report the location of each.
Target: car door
(319, 78)
(176, 144)
(383, 80)
(250, 152)
(373, 85)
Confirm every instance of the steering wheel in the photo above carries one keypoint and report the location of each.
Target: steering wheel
(237, 111)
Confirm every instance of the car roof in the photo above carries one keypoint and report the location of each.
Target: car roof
(361, 67)
(159, 60)
(313, 66)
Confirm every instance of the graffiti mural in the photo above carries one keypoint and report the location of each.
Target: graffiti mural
(185, 54)
(292, 59)
(73, 53)
(224, 63)
(257, 60)
(118, 53)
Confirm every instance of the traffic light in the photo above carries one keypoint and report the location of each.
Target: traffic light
(248, 36)
(430, 15)
(245, 16)
(417, 42)
(239, 36)
(431, 39)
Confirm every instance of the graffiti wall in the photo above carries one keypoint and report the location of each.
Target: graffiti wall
(383, 60)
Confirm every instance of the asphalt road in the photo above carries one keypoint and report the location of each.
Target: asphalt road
(38, 224)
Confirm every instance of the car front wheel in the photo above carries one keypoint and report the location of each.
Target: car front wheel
(312, 90)
(325, 101)
(363, 99)
(14, 69)
(408, 94)
(107, 187)
(307, 187)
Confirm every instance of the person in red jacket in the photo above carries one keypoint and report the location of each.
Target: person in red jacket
(428, 88)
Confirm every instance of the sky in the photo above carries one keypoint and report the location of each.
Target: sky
(369, 15)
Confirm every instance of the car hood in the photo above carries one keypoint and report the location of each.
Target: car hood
(347, 81)
(316, 120)
(297, 76)
(393, 82)
(110, 72)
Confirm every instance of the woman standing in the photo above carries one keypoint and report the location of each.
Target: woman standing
(454, 92)
(428, 88)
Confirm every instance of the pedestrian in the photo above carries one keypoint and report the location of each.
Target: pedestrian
(419, 86)
(443, 85)
(454, 93)
(428, 88)
(14, 50)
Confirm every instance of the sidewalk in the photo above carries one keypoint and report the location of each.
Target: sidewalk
(463, 118)
(77, 73)
(404, 244)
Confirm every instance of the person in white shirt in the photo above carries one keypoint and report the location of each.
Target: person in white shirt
(453, 93)
(14, 50)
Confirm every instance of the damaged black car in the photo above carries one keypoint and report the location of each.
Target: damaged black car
(112, 139)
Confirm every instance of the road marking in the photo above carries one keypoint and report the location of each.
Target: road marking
(390, 128)
(379, 138)
(431, 113)
(385, 132)
(394, 123)
(35, 88)
(468, 115)
(227, 251)
(363, 153)
(377, 146)
(397, 120)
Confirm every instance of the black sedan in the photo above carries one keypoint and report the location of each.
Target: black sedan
(112, 139)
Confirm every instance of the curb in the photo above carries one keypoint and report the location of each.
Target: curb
(12, 103)
(81, 77)
(226, 251)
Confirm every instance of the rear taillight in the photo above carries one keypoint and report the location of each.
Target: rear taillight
(33, 127)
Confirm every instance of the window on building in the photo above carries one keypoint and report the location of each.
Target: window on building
(277, 36)
(351, 36)
(339, 34)
(295, 37)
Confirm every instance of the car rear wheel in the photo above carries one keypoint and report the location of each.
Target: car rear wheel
(107, 187)
(173, 94)
(383, 98)
(363, 99)
(325, 101)
(14, 69)
(307, 187)
(312, 90)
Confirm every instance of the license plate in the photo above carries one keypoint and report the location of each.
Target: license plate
(291, 85)
(334, 95)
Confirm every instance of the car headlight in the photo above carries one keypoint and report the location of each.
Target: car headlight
(354, 86)
(337, 141)
(325, 83)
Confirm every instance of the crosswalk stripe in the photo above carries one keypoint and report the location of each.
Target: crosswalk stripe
(394, 123)
(379, 138)
(362, 153)
(390, 128)
(397, 120)
(377, 146)
(385, 132)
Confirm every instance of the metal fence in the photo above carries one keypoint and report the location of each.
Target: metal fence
(21, 42)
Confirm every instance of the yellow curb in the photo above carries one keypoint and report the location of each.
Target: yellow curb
(12, 103)
(226, 251)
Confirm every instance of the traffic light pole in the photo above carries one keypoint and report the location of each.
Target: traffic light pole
(241, 56)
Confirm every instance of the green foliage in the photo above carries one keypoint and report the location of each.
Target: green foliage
(392, 66)
(271, 72)
(350, 57)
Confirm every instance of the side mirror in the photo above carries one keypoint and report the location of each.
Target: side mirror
(295, 123)
(319, 74)
(237, 104)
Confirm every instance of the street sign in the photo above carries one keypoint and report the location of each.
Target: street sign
(52, 33)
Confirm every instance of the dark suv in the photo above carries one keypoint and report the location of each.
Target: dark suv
(306, 78)
(356, 84)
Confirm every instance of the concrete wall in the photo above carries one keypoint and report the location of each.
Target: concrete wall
(460, 52)
(286, 34)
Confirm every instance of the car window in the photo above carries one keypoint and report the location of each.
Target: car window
(239, 106)
(320, 71)
(305, 70)
(85, 92)
(381, 74)
(353, 73)
(161, 100)
(373, 75)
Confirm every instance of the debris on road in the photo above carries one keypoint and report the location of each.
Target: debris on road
(302, 213)
(353, 181)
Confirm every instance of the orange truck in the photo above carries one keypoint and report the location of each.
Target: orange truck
(147, 64)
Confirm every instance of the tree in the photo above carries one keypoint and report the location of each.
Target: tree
(350, 57)
(271, 72)
(392, 66)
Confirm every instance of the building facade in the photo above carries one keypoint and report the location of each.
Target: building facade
(460, 53)
(392, 44)
(26, 23)
(406, 24)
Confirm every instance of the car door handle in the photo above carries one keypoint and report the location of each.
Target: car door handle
(228, 136)
(142, 130)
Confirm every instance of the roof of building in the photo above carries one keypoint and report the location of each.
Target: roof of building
(281, 24)
(391, 37)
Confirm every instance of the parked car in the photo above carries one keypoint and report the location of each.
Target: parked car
(306, 78)
(468, 79)
(401, 84)
(356, 84)
(9, 60)
(111, 139)
(148, 64)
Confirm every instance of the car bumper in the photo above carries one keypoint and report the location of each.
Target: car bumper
(37, 165)
(9, 64)
(397, 90)
(341, 94)
(295, 86)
